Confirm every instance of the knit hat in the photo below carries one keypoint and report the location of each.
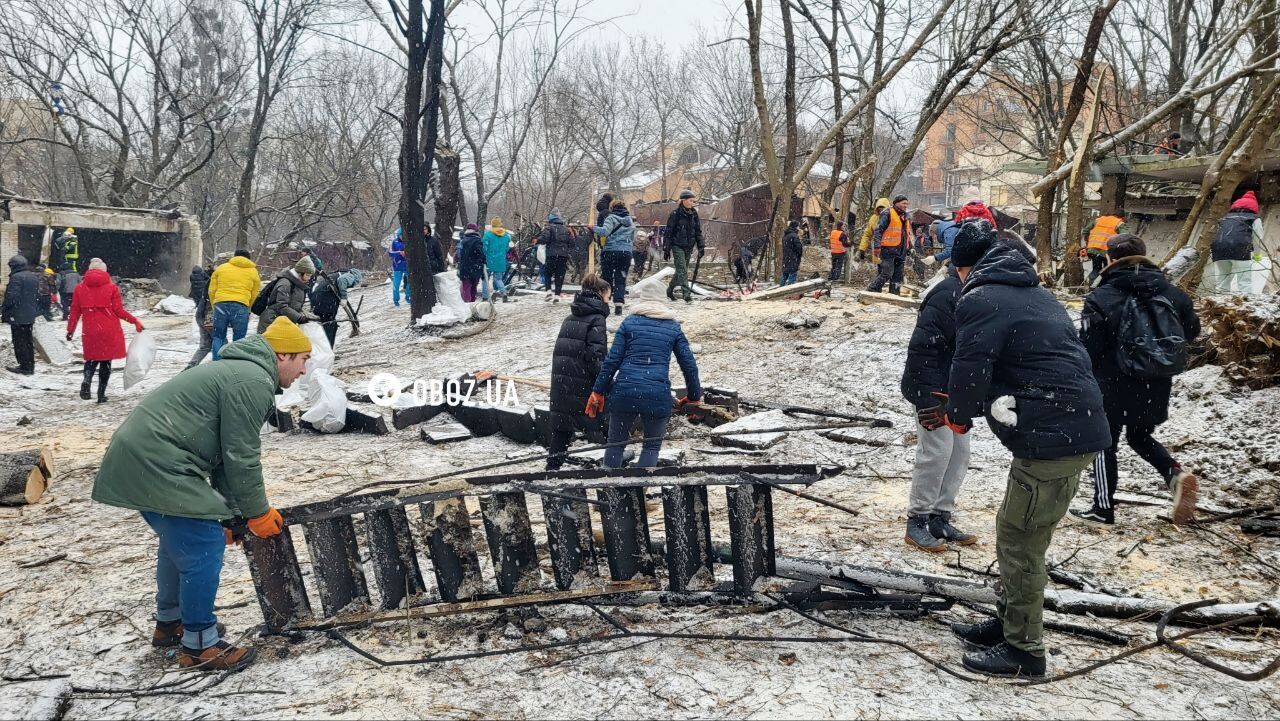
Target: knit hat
(898, 199)
(972, 242)
(284, 336)
(1248, 201)
(686, 193)
(471, 226)
(97, 264)
(304, 266)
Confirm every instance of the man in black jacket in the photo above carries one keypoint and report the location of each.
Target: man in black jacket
(21, 306)
(942, 457)
(199, 279)
(792, 252)
(1019, 361)
(1138, 405)
(684, 233)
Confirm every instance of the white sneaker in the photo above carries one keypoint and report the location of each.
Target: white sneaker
(1185, 487)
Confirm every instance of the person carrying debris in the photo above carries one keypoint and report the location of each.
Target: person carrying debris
(618, 231)
(1095, 250)
(1239, 232)
(792, 251)
(470, 261)
(555, 237)
(287, 294)
(1136, 326)
(232, 289)
(68, 279)
(399, 267)
(66, 250)
(580, 349)
(46, 289)
(189, 459)
(683, 234)
(889, 241)
(839, 243)
(98, 302)
(942, 457)
(1019, 360)
(21, 306)
(327, 297)
(496, 243)
(633, 380)
(204, 314)
(873, 221)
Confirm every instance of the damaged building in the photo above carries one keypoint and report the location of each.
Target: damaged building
(133, 242)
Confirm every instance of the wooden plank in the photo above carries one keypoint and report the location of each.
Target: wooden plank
(781, 292)
(866, 297)
(437, 610)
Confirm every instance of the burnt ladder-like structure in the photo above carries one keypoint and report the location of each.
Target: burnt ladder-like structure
(329, 529)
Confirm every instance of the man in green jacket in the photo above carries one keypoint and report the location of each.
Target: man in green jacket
(189, 457)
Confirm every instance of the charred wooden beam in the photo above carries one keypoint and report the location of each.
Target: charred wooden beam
(394, 558)
(569, 539)
(689, 552)
(626, 533)
(751, 535)
(277, 578)
(452, 548)
(335, 564)
(511, 546)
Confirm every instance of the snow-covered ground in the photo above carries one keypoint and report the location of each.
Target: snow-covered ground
(89, 614)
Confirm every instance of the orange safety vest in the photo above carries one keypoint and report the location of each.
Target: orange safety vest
(892, 236)
(837, 247)
(1107, 226)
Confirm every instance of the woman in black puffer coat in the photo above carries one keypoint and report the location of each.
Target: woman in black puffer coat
(575, 363)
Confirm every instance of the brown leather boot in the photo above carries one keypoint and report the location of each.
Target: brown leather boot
(169, 633)
(221, 656)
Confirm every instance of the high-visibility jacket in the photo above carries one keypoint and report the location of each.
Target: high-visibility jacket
(1103, 229)
(837, 241)
(897, 230)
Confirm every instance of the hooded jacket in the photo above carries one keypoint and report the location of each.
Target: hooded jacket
(1014, 339)
(634, 375)
(21, 304)
(873, 220)
(792, 251)
(471, 256)
(97, 301)
(495, 251)
(976, 209)
(288, 298)
(1234, 237)
(200, 289)
(947, 230)
(192, 447)
(1129, 400)
(618, 231)
(684, 230)
(556, 238)
(235, 281)
(579, 351)
(396, 253)
(933, 342)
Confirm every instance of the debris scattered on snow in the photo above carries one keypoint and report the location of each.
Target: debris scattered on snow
(175, 305)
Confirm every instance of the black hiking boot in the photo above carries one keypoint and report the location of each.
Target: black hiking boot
(1005, 660)
(918, 535)
(84, 391)
(21, 371)
(1095, 515)
(617, 309)
(983, 634)
(940, 527)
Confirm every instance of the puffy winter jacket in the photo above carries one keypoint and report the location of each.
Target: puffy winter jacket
(1014, 339)
(792, 250)
(1136, 402)
(235, 281)
(396, 254)
(97, 300)
(618, 231)
(1234, 237)
(20, 296)
(634, 376)
(976, 210)
(932, 343)
(557, 239)
(69, 279)
(192, 447)
(495, 251)
(470, 256)
(947, 232)
(684, 230)
(580, 349)
(873, 221)
(288, 298)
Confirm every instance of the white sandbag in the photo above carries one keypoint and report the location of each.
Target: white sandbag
(321, 351)
(138, 360)
(450, 308)
(175, 305)
(328, 412)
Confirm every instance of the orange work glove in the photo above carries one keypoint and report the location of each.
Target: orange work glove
(685, 400)
(957, 428)
(595, 404)
(267, 525)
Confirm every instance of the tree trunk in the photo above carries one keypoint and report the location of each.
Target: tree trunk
(415, 166)
(1075, 192)
(24, 475)
(448, 193)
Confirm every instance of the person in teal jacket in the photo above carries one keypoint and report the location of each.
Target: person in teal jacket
(189, 457)
(496, 241)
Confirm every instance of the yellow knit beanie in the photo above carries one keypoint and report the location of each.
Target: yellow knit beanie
(284, 336)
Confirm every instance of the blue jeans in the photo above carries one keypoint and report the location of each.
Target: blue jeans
(228, 314)
(188, 565)
(498, 285)
(787, 279)
(655, 427)
(614, 266)
(398, 277)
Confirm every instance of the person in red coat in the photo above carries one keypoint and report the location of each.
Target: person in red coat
(98, 301)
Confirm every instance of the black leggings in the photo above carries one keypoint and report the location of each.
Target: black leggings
(103, 369)
(1105, 466)
(556, 267)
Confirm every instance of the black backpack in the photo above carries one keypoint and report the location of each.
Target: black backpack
(1151, 343)
(264, 297)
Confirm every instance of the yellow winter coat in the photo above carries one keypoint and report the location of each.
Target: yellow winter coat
(872, 222)
(235, 280)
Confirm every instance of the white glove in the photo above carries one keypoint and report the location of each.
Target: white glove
(1002, 410)
(929, 260)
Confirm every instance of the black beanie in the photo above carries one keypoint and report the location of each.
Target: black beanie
(973, 241)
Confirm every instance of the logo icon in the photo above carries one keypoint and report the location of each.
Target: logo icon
(384, 389)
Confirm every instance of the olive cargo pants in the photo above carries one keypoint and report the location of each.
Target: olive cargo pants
(680, 281)
(1036, 498)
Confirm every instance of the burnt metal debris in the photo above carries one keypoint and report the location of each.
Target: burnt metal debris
(349, 539)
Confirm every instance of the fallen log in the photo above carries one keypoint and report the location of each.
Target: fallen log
(785, 291)
(52, 702)
(867, 297)
(24, 476)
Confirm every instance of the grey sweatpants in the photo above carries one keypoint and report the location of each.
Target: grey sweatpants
(942, 457)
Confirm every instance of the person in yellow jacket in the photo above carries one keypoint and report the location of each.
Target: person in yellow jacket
(232, 288)
(1104, 228)
(872, 221)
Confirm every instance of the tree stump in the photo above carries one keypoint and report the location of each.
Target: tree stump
(24, 476)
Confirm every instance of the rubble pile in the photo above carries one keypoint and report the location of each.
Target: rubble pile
(1245, 338)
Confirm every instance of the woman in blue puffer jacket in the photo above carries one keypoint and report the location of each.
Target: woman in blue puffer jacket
(633, 378)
